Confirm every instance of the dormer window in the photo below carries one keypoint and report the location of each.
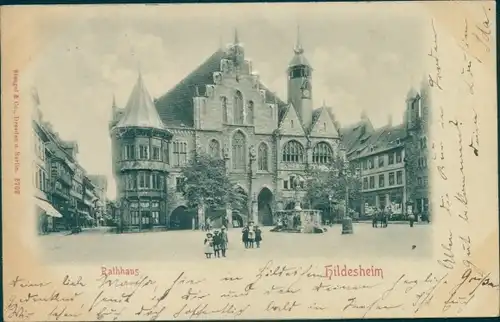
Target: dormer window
(398, 141)
(291, 124)
(372, 148)
(324, 126)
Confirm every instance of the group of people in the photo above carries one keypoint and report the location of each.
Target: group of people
(381, 217)
(251, 235)
(216, 243)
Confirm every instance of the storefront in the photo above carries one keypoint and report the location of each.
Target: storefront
(389, 200)
(46, 214)
(144, 213)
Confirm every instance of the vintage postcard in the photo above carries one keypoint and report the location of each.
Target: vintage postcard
(249, 161)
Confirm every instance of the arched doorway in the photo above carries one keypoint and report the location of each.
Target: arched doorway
(237, 219)
(264, 201)
(181, 218)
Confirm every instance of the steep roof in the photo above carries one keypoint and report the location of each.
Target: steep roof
(315, 116)
(380, 140)
(140, 110)
(176, 106)
(353, 135)
(299, 60)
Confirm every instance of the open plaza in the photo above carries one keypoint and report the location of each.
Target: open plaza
(103, 248)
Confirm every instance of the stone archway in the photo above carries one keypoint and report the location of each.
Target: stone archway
(237, 219)
(181, 219)
(264, 201)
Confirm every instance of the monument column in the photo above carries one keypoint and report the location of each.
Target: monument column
(201, 216)
(229, 211)
(255, 210)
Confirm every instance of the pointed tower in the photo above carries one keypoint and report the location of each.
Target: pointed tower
(413, 108)
(299, 83)
(140, 156)
(236, 50)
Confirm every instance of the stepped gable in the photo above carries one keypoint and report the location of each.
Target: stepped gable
(176, 106)
(140, 110)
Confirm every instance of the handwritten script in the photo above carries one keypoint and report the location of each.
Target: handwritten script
(273, 290)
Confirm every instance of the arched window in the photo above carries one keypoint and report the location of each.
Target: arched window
(214, 149)
(293, 151)
(250, 112)
(239, 151)
(238, 108)
(322, 153)
(223, 102)
(263, 157)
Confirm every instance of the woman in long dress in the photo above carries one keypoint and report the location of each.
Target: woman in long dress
(209, 245)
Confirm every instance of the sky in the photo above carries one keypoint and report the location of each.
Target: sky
(365, 57)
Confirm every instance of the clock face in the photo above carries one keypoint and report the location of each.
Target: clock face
(306, 93)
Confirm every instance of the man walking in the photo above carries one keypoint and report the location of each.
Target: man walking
(224, 241)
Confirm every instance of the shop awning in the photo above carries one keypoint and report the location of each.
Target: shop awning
(48, 208)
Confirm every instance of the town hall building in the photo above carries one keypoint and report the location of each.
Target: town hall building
(223, 109)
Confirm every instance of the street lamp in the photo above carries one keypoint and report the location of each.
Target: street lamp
(346, 220)
(251, 198)
(330, 200)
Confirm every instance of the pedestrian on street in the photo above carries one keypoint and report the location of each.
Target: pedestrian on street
(412, 219)
(224, 241)
(209, 245)
(251, 235)
(244, 236)
(374, 220)
(217, 244)
(258, 236)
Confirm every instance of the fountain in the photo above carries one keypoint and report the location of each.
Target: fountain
(298, 220)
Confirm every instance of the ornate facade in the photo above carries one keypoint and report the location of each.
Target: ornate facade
(223, 108)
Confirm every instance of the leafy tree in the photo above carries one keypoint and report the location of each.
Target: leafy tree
(331, 182)
(207, 183)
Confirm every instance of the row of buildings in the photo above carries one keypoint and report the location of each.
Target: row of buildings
(223, 109)
(393, 159)
(66, 197)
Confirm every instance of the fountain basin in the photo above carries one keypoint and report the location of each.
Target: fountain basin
(307, 221)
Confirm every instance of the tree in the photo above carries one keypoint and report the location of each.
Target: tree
(327, 186)
(206, 183)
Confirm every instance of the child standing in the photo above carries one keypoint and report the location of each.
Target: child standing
(217, 244)
(209, 245)
(251, 235)
(258, 236)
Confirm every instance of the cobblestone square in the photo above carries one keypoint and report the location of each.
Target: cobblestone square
(395, 241)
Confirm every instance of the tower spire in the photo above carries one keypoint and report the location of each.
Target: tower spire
(236, 38)
(114, 101)
(298, 49)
